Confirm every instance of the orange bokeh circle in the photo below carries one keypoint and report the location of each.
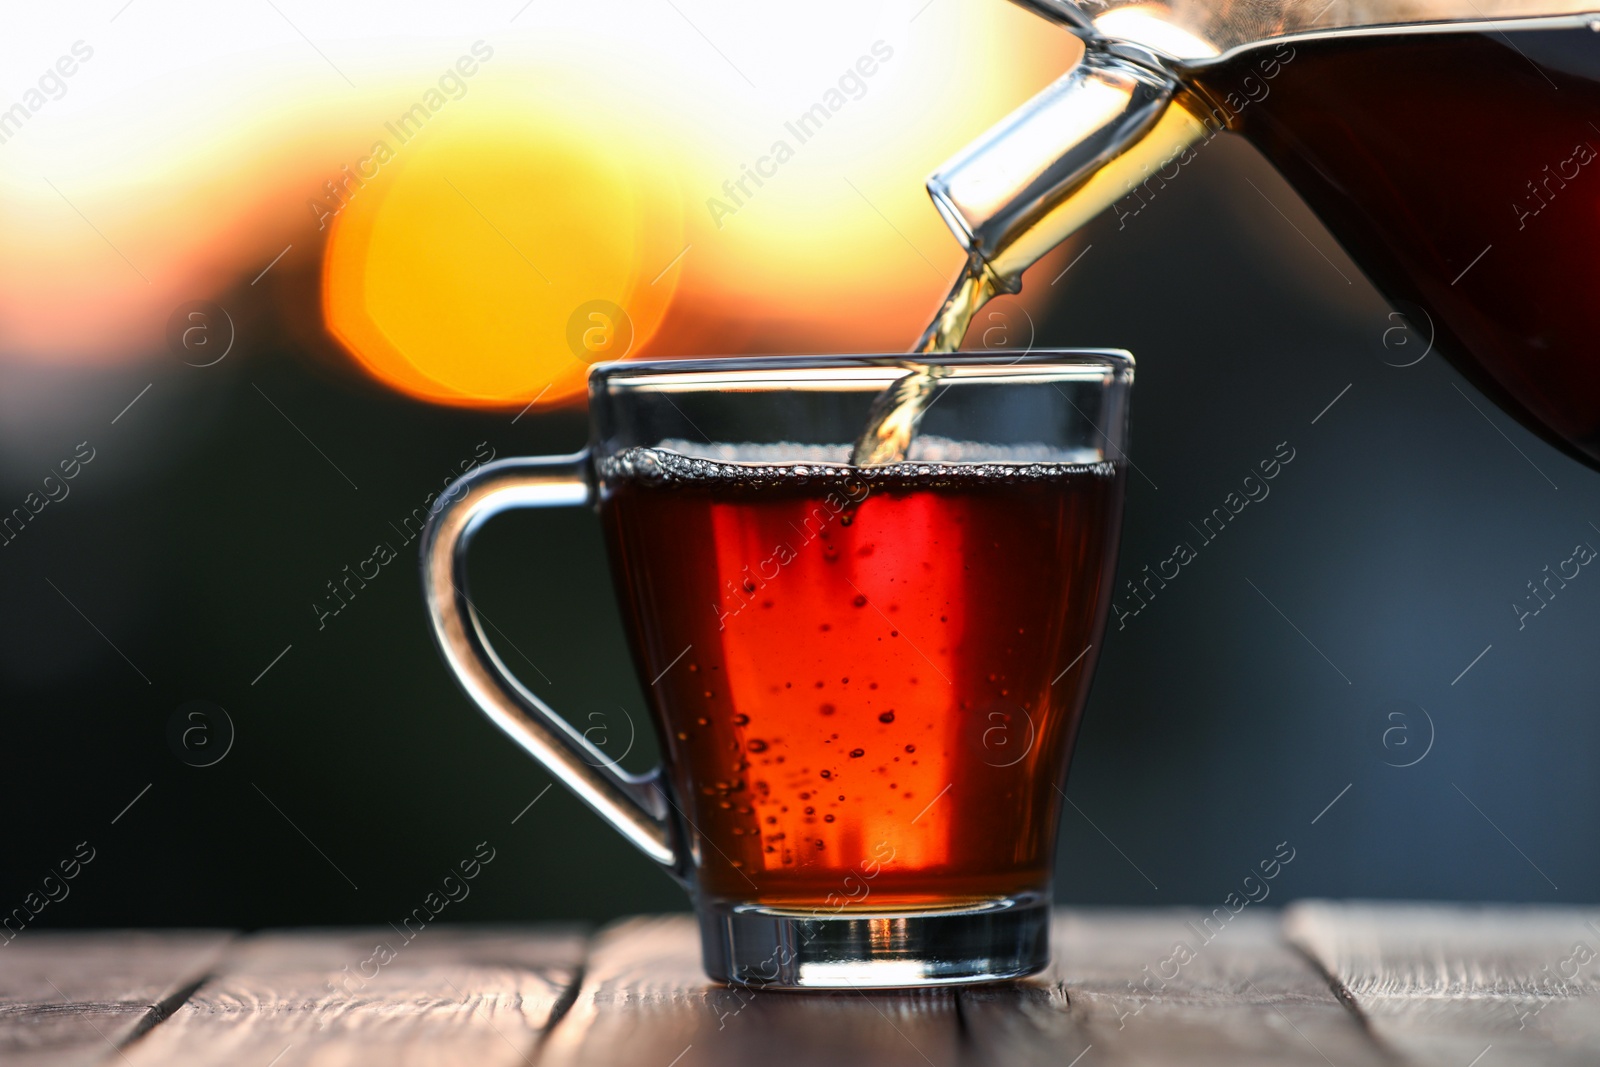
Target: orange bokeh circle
(455, 271)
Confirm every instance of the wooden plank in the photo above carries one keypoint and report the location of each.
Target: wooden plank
(473, 995)
(645, 1001)
(1448, 984)
(69, 998)
(1121, 992)
(1434, 985)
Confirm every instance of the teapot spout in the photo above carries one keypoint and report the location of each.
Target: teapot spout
(1061, 158)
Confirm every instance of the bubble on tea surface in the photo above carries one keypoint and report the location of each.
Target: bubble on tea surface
(756, 468)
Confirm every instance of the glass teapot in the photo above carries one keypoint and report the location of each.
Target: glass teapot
(1449, 145)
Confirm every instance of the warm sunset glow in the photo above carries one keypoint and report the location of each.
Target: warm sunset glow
(735, 179)
(457, 271)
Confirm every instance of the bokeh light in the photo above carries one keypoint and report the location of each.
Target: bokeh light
(455, 275)
(628, 152)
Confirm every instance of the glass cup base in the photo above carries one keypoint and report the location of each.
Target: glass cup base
(778, 948)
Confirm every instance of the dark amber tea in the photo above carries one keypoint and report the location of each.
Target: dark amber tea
(1461, 169)
(866, 680)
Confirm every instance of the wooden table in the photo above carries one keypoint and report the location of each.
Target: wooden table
(1322, 983)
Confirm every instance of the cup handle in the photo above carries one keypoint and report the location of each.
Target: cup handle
(635, 804)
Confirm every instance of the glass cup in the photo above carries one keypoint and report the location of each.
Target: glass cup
(865, 681)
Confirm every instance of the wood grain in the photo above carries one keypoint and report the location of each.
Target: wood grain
(645, 1002)
(74, 998)
(1118, 992)
(480, 996)
(1448, 984)
(1421, 985)
(1244, 998)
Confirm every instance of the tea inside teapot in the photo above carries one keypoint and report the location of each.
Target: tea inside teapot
(1454, 160)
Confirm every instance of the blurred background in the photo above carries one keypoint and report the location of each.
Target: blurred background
(272, 274)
